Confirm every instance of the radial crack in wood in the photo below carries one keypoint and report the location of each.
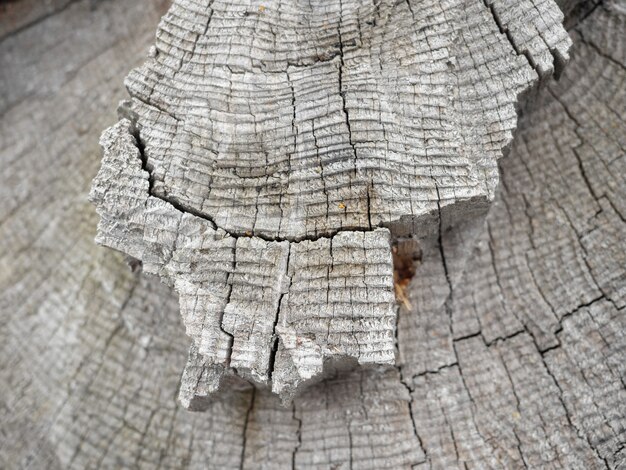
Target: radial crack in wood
(266, 309)
(272, 152)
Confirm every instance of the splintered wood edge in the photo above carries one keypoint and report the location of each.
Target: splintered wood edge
(282, 312)
(270, 310)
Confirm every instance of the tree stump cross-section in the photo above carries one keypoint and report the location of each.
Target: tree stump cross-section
(271, 153)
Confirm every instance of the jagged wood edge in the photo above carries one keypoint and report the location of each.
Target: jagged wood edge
(79, 425)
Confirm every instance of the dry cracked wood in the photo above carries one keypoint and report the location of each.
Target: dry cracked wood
(236, 294)
(90, 354)
(266, 144)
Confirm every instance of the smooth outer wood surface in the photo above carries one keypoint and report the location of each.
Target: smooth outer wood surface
(522, 365)
(265, 146)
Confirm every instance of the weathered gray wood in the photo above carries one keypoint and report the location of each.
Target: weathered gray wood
(265, 143)
(90, 354)
(20, 15)
(292, 121)
(244, 300)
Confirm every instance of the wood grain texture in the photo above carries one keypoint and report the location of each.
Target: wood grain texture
(265, 145)
(91, 354)
(290, 120)
(247, 302)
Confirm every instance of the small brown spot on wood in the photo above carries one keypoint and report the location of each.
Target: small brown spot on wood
(134, 264)
(406, 255)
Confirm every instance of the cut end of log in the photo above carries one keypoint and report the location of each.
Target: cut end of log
(275, 312)
(269, 159)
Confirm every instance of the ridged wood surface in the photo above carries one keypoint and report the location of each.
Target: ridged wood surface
(265, 144)
(519, 364)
